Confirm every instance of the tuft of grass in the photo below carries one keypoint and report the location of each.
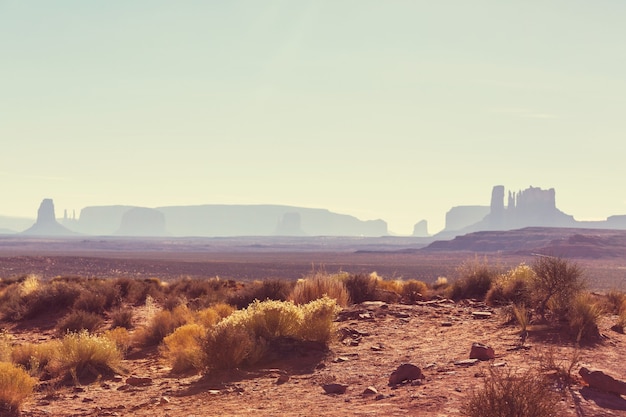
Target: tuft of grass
(82, 355)
(121, 338)
(506, 394)
(122, 317)
(583, 316)
(317, 320)
(513, 286)
(183, 348)
(319, 285)
(475, 279)
(413, 291)
(362, 287)
(35, 357)
(15, 386)
(522, 315)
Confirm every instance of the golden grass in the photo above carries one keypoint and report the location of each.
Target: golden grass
(318, 285)
(183, 348)
(15, 386)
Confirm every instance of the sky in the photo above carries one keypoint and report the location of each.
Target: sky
(394, 110)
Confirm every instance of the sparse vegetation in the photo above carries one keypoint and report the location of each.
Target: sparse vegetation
(319, 285)
(475, 279)
(162, 324)
(509, 394)
(15, 386)
(514, 286)
(557, 282)
(78, 320)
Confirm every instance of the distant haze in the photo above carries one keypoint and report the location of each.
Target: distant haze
(380, 110)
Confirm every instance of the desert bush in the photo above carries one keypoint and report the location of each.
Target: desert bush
(413, 291)
(162, 324)
(97, 296)
(615, 301)
(317, 320)
(244, 336)
(35, 357)
(270, 289)
(136, 291)
(583, 316)
(557, 281)
(183, 348)
(82, 355)
(15, 386)
(513, 286)
(318, 285)
(78, 320)
(120, 337)
(5, 347)
(506, 394)
(361, 287)
(475, 279)
(122, 317)
(522, 316)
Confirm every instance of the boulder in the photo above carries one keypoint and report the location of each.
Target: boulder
(481, 352)
(601, 381)
(335, 388)
(405, 372)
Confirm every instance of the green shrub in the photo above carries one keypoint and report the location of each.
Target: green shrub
(319, 285)
(506, 394)
(82, 355)
(15, 386)
(80, 320)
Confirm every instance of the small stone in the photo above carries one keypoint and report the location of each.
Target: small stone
(481, 314)
(214, 392)
(498, 364)
(87, 400)
(335, 388)
(164, 401)
(370, 391)
(446, 324)
(405, 372)
(341, 359)
(138, 381)
(282, 379)
(124, 387)
(466, 362)
(481, 352)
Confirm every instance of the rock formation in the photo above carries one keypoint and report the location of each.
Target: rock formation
(421, 229)
(46, 224)
(290, 225)
(460, 217)
(141, 221)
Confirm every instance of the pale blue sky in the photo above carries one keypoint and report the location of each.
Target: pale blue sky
(381, 109)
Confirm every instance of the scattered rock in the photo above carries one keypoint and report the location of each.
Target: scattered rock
(601, 381)
(481, 352)
(446, 324)
(481, 314)
(341, 359)
(466, 362)
(335, 388)
(87, 400)
(498, 364)
(214, 392)
(164, 400)
(282, 379)
(405, 372)
(370, 391)
(617, 328)
(124, 387)
(137, 381)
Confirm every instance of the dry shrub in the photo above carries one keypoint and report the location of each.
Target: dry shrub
(35, 357)
(506, 394)
(317, 320)
(82, 355)
(162, 324)
(514, 286)
(557, 282)
(522, 315)
(5, 348)
(122, 317)
(271, 289)
(583, 316)
(615, 301)
(79, 320)
(135, 291)
(208, 317)
(15, 386)
(183, 348)
(413, 291)
(97, 296)
(362, 287)
(120, 337)
(475, 279)
(31, 298)
(244, 336)
(318, 285)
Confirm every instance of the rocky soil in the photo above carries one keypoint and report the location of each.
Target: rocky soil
(374, 339)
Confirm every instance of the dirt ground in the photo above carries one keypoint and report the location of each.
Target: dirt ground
(377, 339)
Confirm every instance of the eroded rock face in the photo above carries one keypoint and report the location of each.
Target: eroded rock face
(140, 221)
(45, 214)
(46, 224)
(421, 229)
(602, 381)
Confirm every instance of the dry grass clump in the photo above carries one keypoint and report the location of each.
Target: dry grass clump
(121, 338)
(122, 317)
(162, 324)
(183, 348)
(81, 355)
(244, 337)
(558, 282)
(15, 386)
(78, 320)
(31, 298)
(583, 316)
(362, 287)
(475, 280)
(506, 394)
(319, 285)
(210, 316)
(270, 289)
(35, 357)
(413, 291)
(514, 286)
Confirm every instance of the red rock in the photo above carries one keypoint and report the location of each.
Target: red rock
(405, 372)
(603, 382)
(335, 388)
(138, 381)
(481, 352)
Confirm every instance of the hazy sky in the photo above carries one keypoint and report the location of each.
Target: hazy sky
(381, 109)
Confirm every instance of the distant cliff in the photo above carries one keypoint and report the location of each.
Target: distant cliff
(223, 220)
(46, 224)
